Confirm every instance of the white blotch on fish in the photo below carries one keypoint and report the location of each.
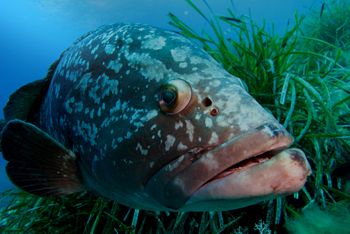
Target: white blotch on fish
(170, 140)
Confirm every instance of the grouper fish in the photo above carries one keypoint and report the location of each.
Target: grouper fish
(147, 118)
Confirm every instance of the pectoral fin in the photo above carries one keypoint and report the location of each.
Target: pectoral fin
(37, 163)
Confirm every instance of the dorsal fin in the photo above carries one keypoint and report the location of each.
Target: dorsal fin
(2, 125)
(25, 102)
(37, 163)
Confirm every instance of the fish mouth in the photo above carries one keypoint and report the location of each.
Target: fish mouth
(202, 167)
(246, 163)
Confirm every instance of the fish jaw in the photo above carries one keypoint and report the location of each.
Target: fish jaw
(221, 165)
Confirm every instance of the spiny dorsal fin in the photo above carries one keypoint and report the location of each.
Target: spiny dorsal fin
(37, 163)
(25, 102)
(2, 125)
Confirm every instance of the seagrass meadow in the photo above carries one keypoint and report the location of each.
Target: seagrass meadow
(301, 77)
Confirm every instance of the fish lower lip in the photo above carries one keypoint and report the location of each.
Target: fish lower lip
(189, 177)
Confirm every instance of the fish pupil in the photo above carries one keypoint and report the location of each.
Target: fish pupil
(168, 96)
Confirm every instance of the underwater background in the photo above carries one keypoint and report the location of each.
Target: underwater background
(315, 107)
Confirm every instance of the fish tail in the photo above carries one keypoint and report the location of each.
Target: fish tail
(37, 163)
(25, 102)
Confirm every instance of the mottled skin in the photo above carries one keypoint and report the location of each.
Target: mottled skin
(102, 104)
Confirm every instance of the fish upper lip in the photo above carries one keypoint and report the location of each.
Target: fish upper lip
(211, 162)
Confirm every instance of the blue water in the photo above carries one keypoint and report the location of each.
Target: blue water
(34, 33)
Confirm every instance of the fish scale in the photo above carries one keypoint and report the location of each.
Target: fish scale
(150, 120)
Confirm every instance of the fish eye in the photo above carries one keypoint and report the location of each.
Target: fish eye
(174, 95)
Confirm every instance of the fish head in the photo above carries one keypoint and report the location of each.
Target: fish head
(175, 131)
(230, 152)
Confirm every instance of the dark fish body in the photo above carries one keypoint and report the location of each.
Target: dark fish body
(145, 117)
(322, 8)
(231, 19)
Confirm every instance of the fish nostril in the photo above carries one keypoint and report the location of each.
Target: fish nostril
(207, 102)
(214, 111)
